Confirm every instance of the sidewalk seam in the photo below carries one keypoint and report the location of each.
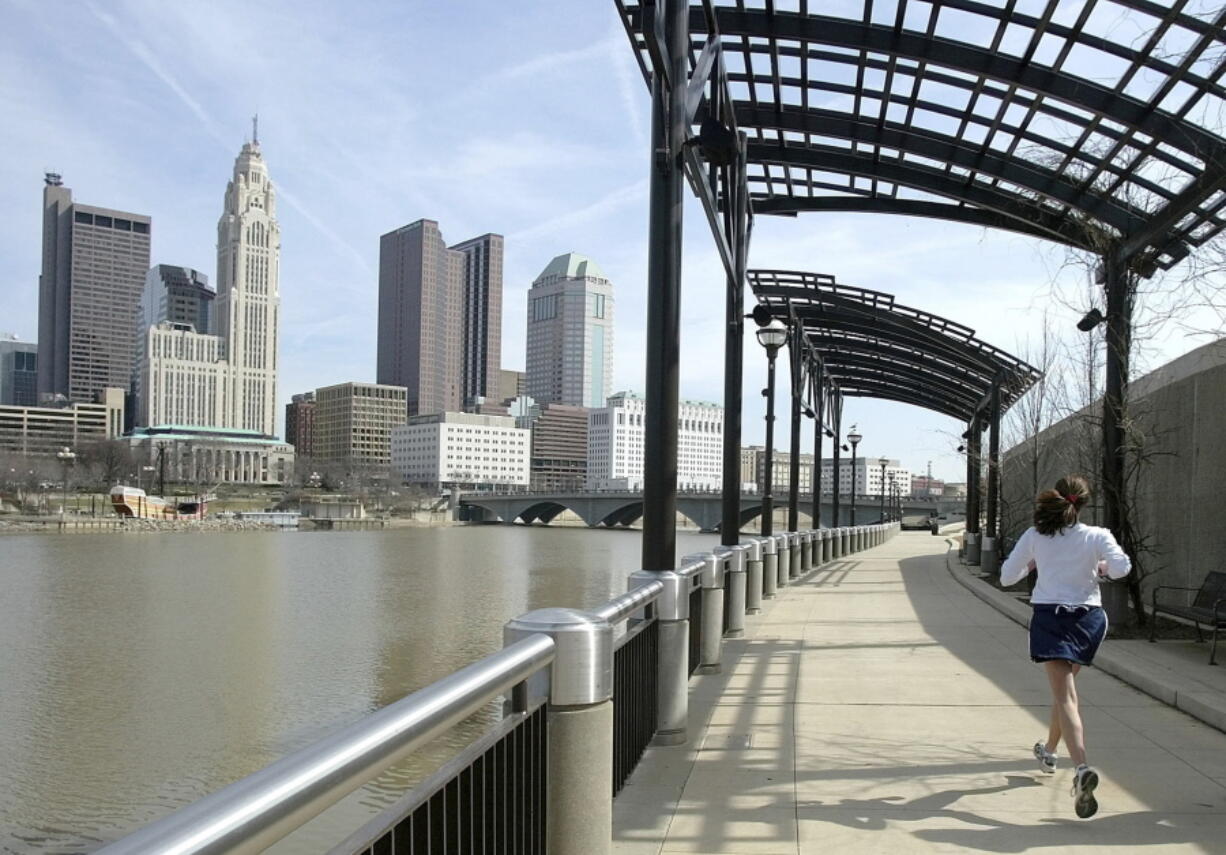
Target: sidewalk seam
(1210, 711)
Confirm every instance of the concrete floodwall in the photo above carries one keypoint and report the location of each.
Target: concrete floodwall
(1180, 410)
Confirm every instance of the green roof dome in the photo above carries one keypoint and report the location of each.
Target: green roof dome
(572, 265)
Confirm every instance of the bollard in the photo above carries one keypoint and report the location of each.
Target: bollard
(579, 685)
(972, 547)
(987, 554)
(827, 545)
(734, 585)
(836, 543)
(673, 655)
(711, 643)
(770, 566)
(783, 549)
(753, 576)
(823, 546)
(806, 550)
(795, 546)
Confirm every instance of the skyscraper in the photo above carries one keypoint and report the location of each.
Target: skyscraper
(18, 371)
(440, 317)
(482, 317)
(228, 380)
(179, 295)
(570, 333)
(94, 264)
(248, 295)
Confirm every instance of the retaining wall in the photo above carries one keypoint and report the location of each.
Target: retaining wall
(1181, 410)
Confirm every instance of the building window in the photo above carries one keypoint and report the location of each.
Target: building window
(544, 308)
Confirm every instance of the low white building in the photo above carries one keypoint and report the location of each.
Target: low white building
(615, 436)
(868, 477)
(207, 457)
(465, 449)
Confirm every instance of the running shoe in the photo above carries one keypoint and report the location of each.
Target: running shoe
(1085, 780)
(1047, 759)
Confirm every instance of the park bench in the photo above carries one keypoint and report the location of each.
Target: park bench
(1209, 608)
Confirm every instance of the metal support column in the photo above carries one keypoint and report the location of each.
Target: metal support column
(734, 356)
(794, 460)
(819, 427)
(988, 551)
(668, 129)
(836, 474)
(1115, 414)
(972, 492)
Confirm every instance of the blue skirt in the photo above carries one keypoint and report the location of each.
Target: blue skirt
(1069, 633)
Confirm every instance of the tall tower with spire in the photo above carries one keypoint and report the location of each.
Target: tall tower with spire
(248, 295)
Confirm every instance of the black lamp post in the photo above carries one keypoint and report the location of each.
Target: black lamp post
(884, 461)
(772, 337)
(854, 438)
(66, 457)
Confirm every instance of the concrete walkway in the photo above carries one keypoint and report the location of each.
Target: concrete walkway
(881, 707)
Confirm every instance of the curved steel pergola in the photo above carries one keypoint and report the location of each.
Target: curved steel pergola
(867, 345)
(1043, 123)
(1095, 124)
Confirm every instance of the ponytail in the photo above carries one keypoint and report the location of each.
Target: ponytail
(1057, 509)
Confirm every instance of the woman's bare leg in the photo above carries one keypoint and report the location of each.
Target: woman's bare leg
(1053, 730)
(1060, 676)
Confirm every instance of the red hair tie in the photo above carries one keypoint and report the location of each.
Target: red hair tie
(1072, 500)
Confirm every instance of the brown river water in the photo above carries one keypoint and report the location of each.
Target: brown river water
(141, 671)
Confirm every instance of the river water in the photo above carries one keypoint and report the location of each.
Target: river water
(139, 672)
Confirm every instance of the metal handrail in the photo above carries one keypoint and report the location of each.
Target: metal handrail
(253, 813)
(621, 607)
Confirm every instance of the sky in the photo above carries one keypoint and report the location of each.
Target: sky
(524, 119)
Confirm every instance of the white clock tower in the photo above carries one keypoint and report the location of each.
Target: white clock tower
(248, 297)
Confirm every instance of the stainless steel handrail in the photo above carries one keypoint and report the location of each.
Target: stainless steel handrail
(620, 608)
(251, 814)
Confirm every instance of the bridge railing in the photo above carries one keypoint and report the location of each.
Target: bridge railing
(584, 693)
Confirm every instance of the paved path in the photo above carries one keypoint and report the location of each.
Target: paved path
(880, 707)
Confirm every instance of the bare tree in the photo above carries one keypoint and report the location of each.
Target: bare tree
(107, 461)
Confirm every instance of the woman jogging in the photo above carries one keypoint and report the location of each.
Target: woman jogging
(1068, 623)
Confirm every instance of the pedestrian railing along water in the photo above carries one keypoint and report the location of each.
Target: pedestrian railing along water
(584, 693)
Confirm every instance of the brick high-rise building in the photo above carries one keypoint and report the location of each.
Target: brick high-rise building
(300, 424)
(440, 317)
(93, 272)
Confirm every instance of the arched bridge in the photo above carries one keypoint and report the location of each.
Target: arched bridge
(623, 509)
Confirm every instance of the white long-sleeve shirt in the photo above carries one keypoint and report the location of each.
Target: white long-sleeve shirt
(1067, 563)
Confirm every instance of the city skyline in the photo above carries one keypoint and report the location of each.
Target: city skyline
(542, 139)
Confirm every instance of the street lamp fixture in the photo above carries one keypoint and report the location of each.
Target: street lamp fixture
(854, 438)
(772, 336)
(1090, 320)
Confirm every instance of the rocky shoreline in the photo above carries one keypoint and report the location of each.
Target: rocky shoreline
(97, 525)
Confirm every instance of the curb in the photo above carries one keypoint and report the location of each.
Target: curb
(1209, 709)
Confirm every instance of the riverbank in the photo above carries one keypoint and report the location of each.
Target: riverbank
(94, 525)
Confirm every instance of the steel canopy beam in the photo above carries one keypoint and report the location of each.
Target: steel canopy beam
(969, 59)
